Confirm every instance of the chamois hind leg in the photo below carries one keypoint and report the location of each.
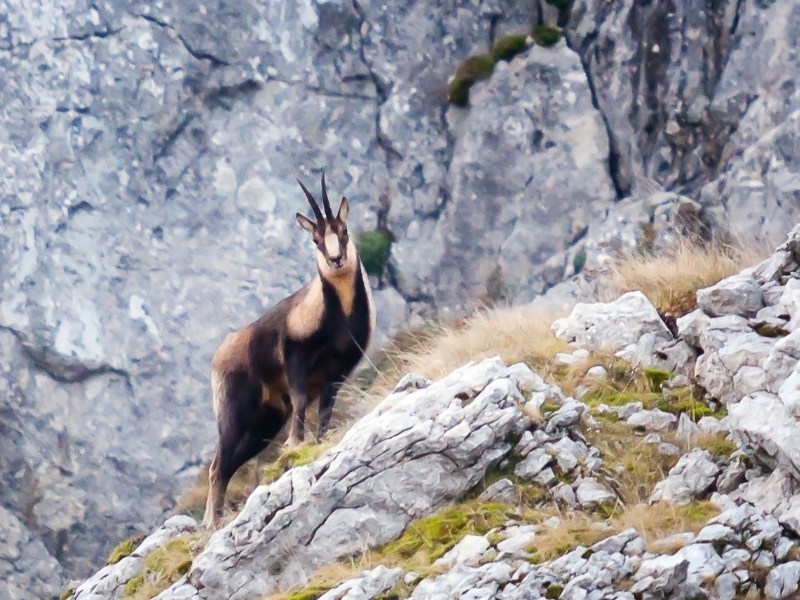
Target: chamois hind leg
(235, 401)
(227, 462)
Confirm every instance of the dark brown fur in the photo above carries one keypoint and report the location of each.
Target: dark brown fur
(302, 349)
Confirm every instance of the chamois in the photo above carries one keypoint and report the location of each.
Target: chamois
(301, 349)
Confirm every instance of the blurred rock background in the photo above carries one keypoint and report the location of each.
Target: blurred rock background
(149, 151)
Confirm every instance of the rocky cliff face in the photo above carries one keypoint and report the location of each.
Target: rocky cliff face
(500, 442)
(147, 198)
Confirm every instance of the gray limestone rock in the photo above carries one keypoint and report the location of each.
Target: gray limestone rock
(109, 582)
(782, 581)
(692, 477)
(611, 326)
(26, 567)
(736, 295)
(411, 454)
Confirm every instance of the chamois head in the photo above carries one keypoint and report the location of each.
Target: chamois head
(329, 233)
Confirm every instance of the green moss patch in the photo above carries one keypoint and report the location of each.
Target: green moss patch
(546, 35)
(374, 248)
(296, 457)
(605, 394)
(657, 377)
(310, 592)
(509, 46)
(553, 591)
(683, 400)
(124, 548)
(431, 537)
(162, 567)
(471, 70)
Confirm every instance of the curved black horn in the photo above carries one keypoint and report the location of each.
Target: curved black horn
(325, 202)
(312, 202)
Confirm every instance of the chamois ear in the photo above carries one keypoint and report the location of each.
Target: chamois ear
(306, 223)
(344, 210)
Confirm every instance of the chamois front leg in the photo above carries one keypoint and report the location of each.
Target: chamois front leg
(326, 402)
(298, 392)
(297, 428)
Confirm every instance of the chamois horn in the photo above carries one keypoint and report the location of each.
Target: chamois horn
(313, 203)
(325, 202)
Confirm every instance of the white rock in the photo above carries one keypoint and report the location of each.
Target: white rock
(597, 372)
(533, 464)
(611, 326)
(734, 295)
(368, 585)
(519, 539)
(500, 491)
(651, 420)
(468, 551)
(782, 581)
(590, 492)
(693, 476)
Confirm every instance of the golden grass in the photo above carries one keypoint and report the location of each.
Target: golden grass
(631, 467)
(653, 522)
(670, 279)
(523, 334)
(658, 521)
(519, 334)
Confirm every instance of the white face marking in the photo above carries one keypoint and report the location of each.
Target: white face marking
(331, 244)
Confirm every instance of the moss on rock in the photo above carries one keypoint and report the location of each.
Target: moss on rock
(431, 537)
(162, 567)
(374, 248)
(124, 548)
(509, 46)
(471, 70)
(546, 35)
(295, 457)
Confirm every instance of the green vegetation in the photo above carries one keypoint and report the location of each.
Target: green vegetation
(373, 249)
(579, 261)
(657, 377)
(471, 70)
(509, 46)
(682, 400)
(719, 446)
(546, 35)
(310, 592)
(295, 457)
(431, 537)
(553, 591)
(124, 548)
(631, 467)
(162, 567)
(66, 594)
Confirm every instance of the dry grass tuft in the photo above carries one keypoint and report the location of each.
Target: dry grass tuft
(515, 334)
(631, 467)
(670, 279)
(658, 521)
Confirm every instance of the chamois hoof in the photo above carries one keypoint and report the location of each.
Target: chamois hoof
(211, 523)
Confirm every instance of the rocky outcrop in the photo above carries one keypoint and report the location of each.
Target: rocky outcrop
(428, 445)
(149, 153)
(670, 83)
